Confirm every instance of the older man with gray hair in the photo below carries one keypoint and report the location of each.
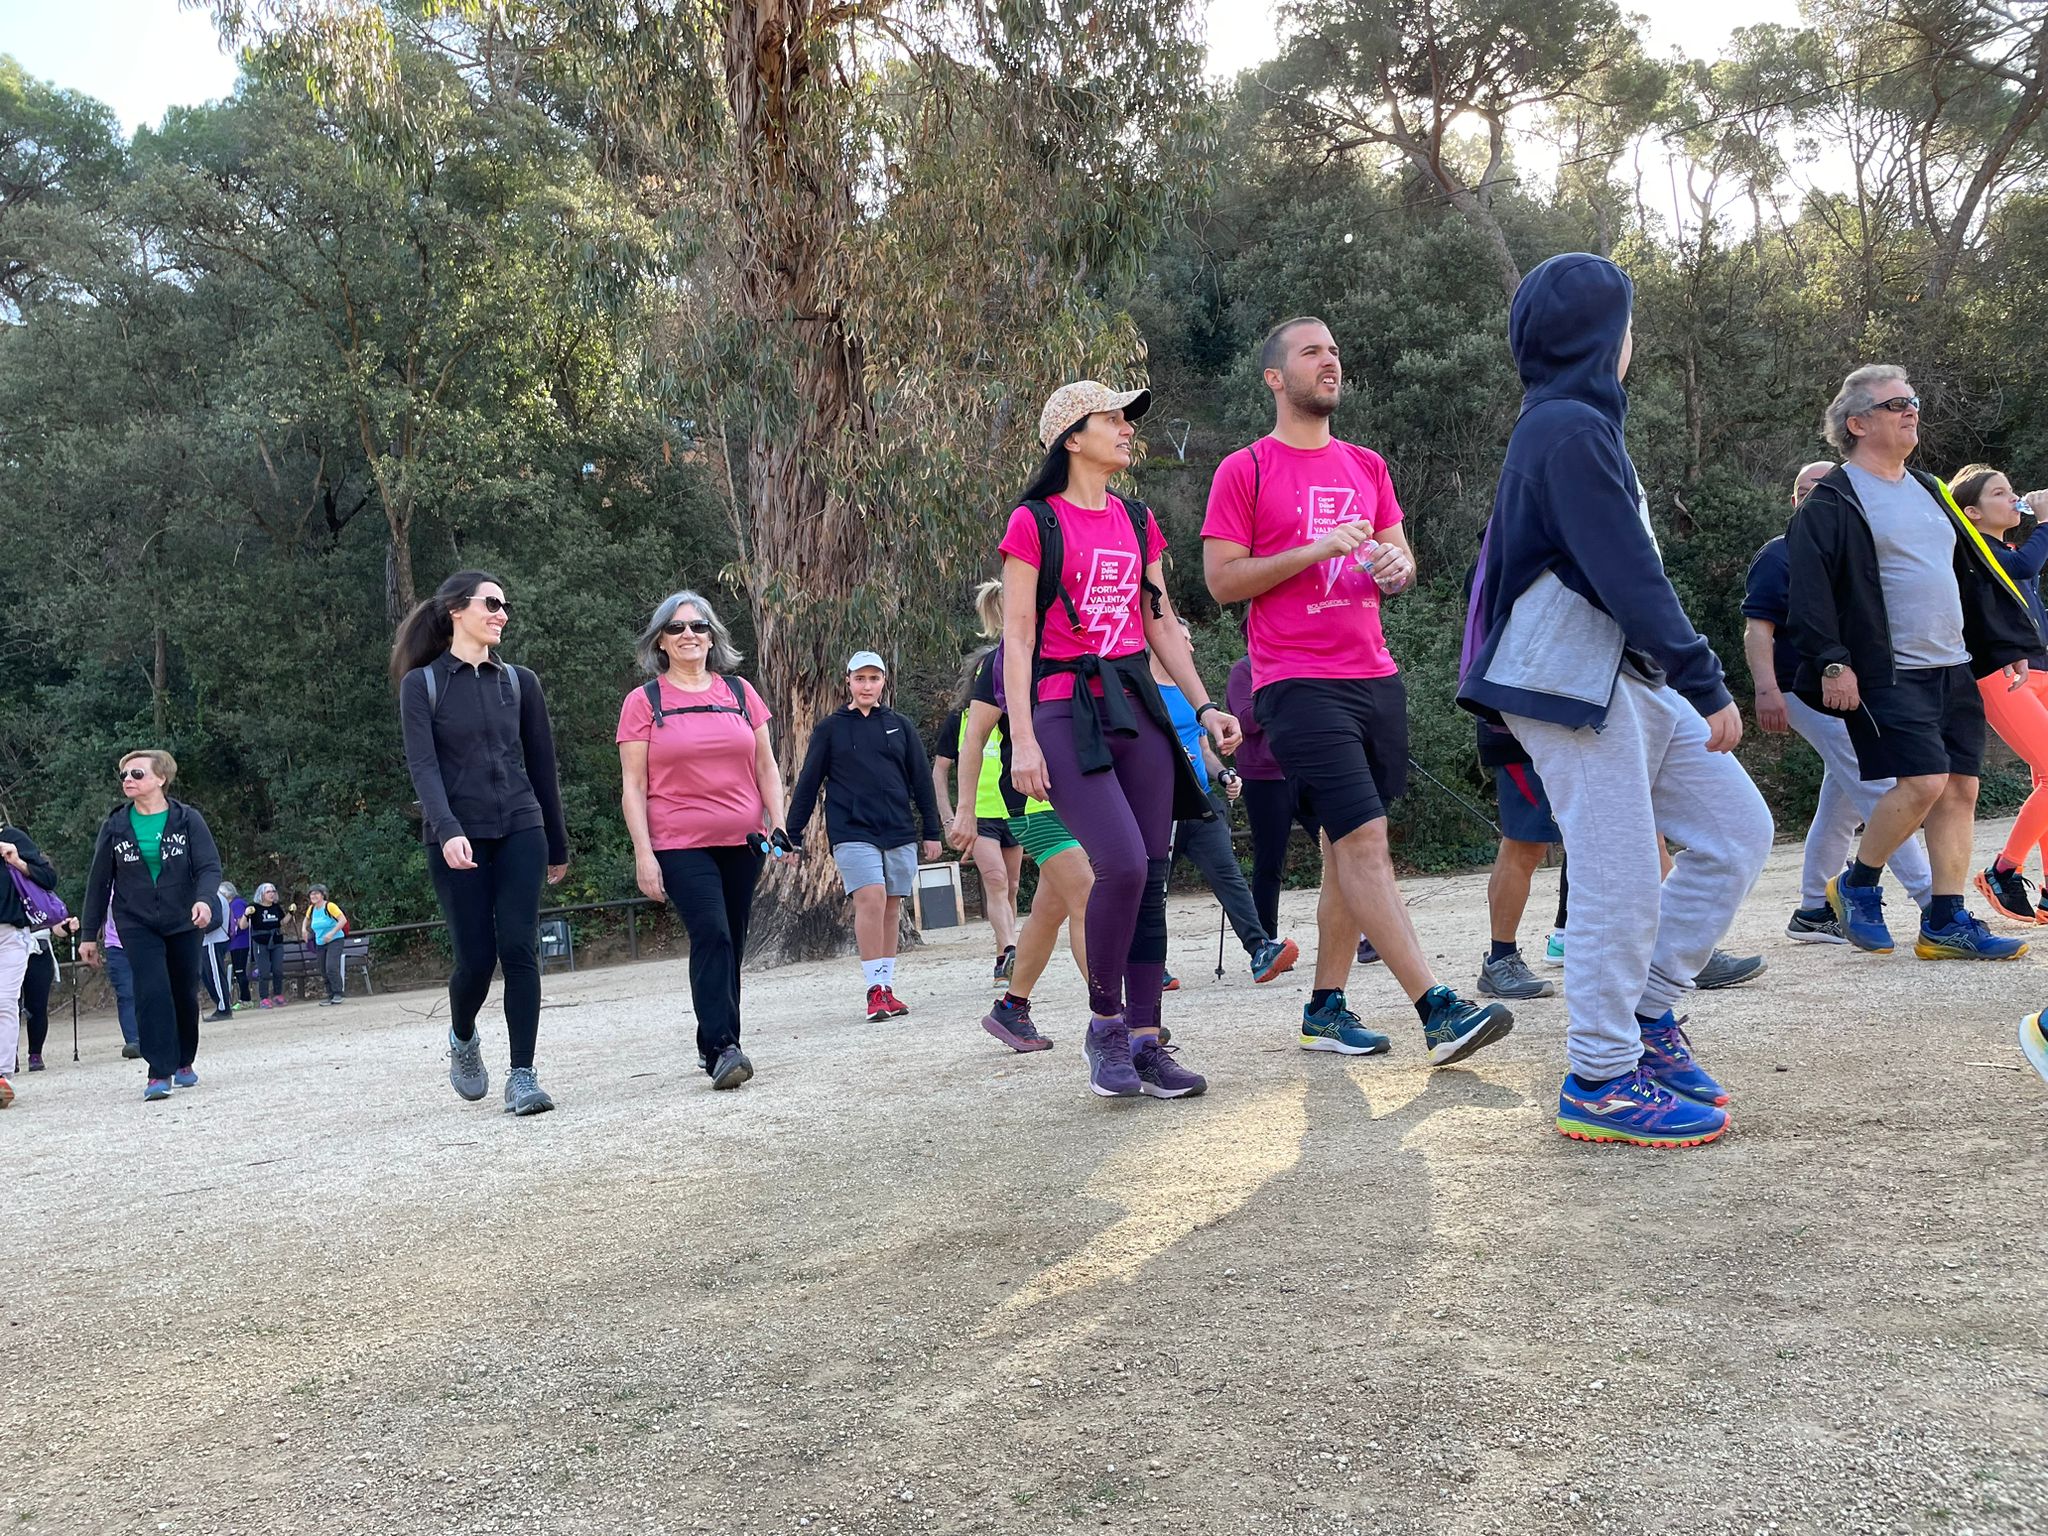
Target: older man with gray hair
(1896, 606)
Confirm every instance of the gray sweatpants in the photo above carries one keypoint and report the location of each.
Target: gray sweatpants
(1634, 945)
(1845, 800)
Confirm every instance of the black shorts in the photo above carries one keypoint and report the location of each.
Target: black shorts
(1343, 743)
(1929, 720)
(997, 827)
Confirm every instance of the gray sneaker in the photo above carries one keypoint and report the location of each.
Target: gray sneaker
(732, 1068)
(467, 1074)
(1725, 970)
(1510, 976)
(524, 1094)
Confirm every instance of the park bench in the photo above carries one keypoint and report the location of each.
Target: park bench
(299, 964)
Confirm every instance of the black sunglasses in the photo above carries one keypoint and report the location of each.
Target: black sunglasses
(686, 627)
(1898, 405)
(493, 604)
(135, 773)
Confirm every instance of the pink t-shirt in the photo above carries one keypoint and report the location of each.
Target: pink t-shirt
(701, 791)
(1104, 577)
(1324, 621)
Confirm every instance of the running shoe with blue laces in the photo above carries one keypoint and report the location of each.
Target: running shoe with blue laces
(1637, 1110)
(2034, 1042)
(1860, 911)
(1667, 1057)
(1456, 1028)
(1335, 1027)
(1966, 939)
(1108, 1048)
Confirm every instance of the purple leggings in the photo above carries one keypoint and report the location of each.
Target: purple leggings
(1123, 820)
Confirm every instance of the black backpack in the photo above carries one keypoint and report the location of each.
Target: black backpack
(1052, 563)
(738, 691)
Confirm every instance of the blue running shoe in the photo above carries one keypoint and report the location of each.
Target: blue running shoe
(1966, 939)
(1457, 1028)
(155, 1089)
(1275, 957)
(1636, 1110)
(2034, 1042)
(1337, 1028)
(1667, 1057)
(1860, 911)
(1108, 1048)
(185, 1077)
(1159, 1075)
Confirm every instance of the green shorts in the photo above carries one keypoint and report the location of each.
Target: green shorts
(1043, 835)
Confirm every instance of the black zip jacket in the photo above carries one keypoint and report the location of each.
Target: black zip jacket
(878, 770)
(1837, 613)
(191, 873)
(12, 913)
(482, 765)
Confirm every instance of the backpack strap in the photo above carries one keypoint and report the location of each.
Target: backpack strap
(1139, 514)
(736, 692)
(433, 681)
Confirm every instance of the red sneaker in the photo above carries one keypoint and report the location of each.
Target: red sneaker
(878, 1003)
(896, 1006)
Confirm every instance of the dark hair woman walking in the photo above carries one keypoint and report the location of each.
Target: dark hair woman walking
(481, 753)
(18, 951)
(701, 788)
(1095, 738)
(156, 860)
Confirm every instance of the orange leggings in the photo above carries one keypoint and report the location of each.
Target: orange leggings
(2020, 716)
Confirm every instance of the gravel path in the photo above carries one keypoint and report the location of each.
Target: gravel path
(907, 1282)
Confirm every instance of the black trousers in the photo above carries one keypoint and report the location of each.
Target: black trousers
(166, 972)
(268, 960)
(712, 890)
(218, 971)
(35, 997)
(238, 960)
(493, 914)
(1271, 807)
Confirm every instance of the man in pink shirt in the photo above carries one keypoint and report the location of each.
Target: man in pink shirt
(1306, 529)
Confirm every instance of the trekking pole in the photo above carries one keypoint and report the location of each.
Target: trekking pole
(1467, 804)
(1220, 915)
(74, 998)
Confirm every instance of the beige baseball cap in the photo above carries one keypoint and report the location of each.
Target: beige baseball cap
(1074, 403)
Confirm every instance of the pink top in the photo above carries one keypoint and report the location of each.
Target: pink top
(701, 790)
(1324, 621)
(1104, 577)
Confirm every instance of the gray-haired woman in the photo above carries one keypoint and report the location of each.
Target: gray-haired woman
(701, 783)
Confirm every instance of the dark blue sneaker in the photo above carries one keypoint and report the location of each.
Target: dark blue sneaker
(1159, 1075)
(1108, 1048)
(2034, 1043)
(156, 1089)
(1636, 1110)
(1860, 911)
(1337, 1028)
(1667, 1057)
(1457, 1028)
(1275, 957)
(1966, 939)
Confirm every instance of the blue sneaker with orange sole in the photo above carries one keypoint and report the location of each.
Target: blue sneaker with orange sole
(1636, 1110)
(1860, 911)
(1667, 1057)
(2034, 1043)
(1966, 938)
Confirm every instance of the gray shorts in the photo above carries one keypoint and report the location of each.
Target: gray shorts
(863, 864)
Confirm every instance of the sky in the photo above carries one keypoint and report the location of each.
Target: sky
(143, 56)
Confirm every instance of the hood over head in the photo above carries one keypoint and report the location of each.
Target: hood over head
(1565, 329)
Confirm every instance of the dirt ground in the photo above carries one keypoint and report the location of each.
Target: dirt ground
(907, 1282)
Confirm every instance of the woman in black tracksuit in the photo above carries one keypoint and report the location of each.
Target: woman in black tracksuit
(156, 860)
(481, 752)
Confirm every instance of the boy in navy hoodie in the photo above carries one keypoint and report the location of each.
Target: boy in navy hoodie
(1579, 647)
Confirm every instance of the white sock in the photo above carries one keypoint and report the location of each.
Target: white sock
(888, 971)
(875, 972)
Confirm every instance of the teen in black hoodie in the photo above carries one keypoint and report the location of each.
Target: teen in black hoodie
(156, 859)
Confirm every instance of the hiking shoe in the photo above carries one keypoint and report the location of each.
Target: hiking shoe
(883, 1004)
(156, 1088)
(2034, 1043)
(185, 1077)
(1725, 970)
(1337, 1028)
(2007, 892)
(35, 1062)
(732, 1068)
(131, 1053)
(1966, 939)
(1170, 983)
(1006, 964)
(1110, 1071)
(1159, 1075)
(1667, 1057)
(467, 1074)
(1820, 926)
(1275, 957)
(1367, 955)
(1510, 976)
(1637, 1110)
(524, 1094)
(1457, 1028)
(1553, 948)
(1860, 911)
(1011, 1024)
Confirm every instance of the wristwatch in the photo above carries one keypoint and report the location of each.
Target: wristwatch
(1833, 670)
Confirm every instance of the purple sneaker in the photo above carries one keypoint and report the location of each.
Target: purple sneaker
(1011, 1023)
(1159, 1075)
(1110, 1072)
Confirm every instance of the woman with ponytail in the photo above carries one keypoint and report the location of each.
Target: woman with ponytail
(481, 753)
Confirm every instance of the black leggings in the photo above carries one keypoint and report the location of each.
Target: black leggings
(493, 914)
(35, 997)
(1270, 807)
(712, 890)
(268, 961)
(166, 971)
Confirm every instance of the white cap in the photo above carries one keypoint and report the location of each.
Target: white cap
(861, 659)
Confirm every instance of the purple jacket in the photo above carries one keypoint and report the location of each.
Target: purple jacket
(1254, 758)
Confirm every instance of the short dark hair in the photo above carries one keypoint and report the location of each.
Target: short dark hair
(1273, 350)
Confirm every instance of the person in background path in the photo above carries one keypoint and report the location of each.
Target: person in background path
(701, 788)
(880, 792)
(481, 752)
(325, 927)
(122, 980)
(1578, 645)
(238, 944)
(18, 852)
(998, 856)
(155, 870)
(263, 922)
(1897, 606)
(219, 969)
(2019, 715)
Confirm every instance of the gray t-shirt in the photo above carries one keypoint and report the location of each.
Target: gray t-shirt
(1916, 552)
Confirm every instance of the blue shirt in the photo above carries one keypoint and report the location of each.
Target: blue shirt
(325, 923)
(1187, 727)
(1769, 597)
(2024, 565)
